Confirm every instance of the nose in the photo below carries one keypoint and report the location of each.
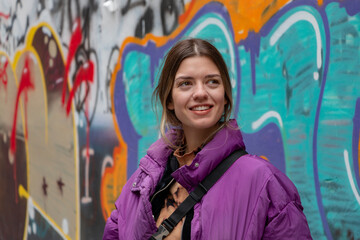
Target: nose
(200, 92)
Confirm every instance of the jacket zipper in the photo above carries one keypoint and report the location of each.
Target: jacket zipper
(154, 195)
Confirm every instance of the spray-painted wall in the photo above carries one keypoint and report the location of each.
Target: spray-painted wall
(76, 79)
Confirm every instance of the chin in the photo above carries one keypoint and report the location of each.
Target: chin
(203, 125)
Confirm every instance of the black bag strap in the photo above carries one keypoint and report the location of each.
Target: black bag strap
(195, 196)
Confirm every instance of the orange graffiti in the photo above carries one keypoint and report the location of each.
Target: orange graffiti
(185, 15)
(113, 180)
(246, 16)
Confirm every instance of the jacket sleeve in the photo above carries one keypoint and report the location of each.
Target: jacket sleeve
(111, 228)
(285, 217)
(132, 218)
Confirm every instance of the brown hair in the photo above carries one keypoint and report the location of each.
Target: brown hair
(180, 51)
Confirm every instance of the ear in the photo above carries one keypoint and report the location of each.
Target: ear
(170, 105)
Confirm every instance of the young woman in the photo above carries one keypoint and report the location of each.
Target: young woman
(251, 200)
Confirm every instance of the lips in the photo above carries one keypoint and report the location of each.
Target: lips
(201, 108)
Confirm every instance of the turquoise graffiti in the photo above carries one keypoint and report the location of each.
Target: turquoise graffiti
(296, 87)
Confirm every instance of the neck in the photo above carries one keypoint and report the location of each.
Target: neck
(195, 139)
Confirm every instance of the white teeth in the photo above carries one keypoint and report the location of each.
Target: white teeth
(201, 108)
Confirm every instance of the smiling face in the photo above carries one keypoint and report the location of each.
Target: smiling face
(198, 95)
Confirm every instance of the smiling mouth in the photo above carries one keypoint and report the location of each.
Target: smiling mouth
(200, 108)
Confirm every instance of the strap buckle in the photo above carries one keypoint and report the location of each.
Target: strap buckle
(161, 233)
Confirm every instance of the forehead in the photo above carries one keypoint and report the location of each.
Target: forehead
(197, 65)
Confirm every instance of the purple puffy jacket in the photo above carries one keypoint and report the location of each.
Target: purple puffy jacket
(252, 200)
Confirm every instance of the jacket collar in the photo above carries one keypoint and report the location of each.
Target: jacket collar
(223, 144)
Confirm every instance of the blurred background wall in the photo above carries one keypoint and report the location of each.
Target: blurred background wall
(76, 78)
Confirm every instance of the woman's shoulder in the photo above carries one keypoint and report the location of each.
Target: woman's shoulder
(254, 164)
(256, 169)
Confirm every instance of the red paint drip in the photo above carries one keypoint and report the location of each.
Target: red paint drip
(84, 74)
(24, 86)
(75, 41)
(3, 75)
(3, 15)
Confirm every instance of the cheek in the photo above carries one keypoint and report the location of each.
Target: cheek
(221, 98)
(178, 100)
(178, 105)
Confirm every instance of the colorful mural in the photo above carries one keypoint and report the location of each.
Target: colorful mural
(76, 80)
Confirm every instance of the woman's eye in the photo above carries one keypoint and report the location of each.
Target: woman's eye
(184, 83)
(213, 82)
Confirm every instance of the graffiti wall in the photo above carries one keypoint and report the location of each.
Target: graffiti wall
(76, 79)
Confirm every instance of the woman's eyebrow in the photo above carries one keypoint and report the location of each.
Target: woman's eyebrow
(213, 76)
(189, 77)
(183, 78)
